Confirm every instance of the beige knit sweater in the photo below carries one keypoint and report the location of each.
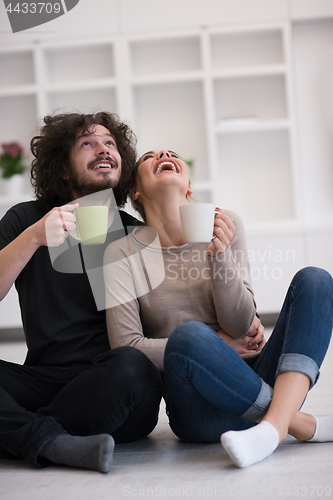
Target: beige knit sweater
(151, 290)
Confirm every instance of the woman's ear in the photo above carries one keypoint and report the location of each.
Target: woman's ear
(189, 192)
(134, 194)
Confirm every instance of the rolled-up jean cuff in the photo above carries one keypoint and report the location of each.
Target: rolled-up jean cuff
(261, 404)
(299, 363)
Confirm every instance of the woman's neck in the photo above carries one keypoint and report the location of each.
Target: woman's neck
(163, 216)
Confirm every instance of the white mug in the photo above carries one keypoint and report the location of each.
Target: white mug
(197, 222)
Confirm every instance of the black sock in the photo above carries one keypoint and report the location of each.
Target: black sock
(87, 452)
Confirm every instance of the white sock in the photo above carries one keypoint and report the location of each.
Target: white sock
(252, 445)
(324, 429)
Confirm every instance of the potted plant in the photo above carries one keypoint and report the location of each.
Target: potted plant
(12, 168)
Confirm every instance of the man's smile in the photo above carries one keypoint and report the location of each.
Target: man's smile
(103, 164)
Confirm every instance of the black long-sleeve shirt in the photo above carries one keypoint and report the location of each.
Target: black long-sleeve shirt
(62, 324)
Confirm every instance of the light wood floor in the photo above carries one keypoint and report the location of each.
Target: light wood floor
(160, 466)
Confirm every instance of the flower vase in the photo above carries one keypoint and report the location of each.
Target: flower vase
(13, 186)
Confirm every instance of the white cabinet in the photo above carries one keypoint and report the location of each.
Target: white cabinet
(254, 161)
(78, 77)
(276, 257)
(221, 98)
(167, 93)
(163, 57)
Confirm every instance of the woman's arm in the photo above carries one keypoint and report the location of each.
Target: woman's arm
(125, 328)
(231, 279)
(122, 305)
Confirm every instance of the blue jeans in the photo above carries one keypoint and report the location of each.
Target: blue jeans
(212, 389)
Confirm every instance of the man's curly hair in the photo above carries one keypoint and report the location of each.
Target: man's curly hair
(52, 147)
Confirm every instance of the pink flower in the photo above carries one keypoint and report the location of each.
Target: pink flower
(12, 148)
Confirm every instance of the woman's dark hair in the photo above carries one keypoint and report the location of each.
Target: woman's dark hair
(52, 147)
(135, 203)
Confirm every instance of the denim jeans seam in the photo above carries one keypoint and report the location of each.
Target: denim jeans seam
(226, 387)
(292, 288)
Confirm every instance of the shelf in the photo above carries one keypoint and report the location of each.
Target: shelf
(88, 84)
(262, 97)
(21, 118)
(16, 68)
(82, 101)
(247, 48)
(190, 76)
(255, 175)
(77, 63)
(18, 90)
(165, 56)
(240, 72)
(250, 124)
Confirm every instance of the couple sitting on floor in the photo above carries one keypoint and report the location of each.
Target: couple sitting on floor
(183, 338)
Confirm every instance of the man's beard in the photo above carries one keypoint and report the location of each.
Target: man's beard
(85, 186)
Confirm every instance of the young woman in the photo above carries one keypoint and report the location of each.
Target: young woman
(190, 309)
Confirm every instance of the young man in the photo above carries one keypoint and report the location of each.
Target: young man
(72, 393)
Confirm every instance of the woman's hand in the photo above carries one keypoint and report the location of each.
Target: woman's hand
(224, 231)
(255, 336)
(252, 342)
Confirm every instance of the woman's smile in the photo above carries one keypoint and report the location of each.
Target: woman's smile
(169, 165)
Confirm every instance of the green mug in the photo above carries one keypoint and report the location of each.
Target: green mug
(91, 224)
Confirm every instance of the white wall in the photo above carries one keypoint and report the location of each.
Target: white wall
(96, 17)
(88, 17)
(313, 57)
(108, 17)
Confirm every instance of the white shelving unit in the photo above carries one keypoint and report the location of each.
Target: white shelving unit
(254, 124)
(199, 93)
(166, 80)
(223, 98)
